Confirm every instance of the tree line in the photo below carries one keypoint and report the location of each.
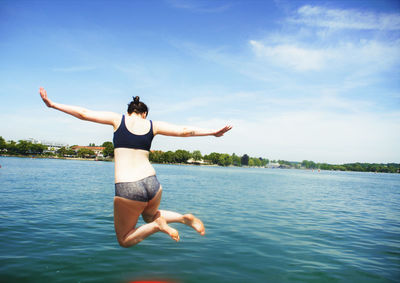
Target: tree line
(357, 166)
(25, 148)
(21, 148)
(221, 159)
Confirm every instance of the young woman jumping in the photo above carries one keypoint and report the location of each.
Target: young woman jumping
(137, 190)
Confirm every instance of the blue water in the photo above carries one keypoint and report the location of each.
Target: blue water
(262, 225)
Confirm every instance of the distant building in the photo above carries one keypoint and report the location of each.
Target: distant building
(51, 146)
(34, 141)
(98, 150)
(196, 162)
(273, 165)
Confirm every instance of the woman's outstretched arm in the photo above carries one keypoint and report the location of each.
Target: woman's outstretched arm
(167, 129)
(101, 117)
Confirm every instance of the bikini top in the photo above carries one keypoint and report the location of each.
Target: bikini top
(124, 138)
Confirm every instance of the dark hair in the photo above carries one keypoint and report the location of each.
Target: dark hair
(137, 106)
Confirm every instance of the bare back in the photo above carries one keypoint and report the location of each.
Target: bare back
(133, 164)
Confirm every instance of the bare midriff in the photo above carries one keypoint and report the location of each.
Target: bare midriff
(132, 165)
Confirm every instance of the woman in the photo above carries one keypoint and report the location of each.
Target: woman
(137, 190)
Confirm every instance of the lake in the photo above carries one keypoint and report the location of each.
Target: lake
(262, 225)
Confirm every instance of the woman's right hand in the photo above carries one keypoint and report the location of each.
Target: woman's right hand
(222, 131)
(45, 99)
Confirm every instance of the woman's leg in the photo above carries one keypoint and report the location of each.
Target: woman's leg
(149, 214)
(126, 215)
(187, 219)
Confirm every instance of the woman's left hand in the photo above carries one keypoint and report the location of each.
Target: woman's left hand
(46, 100)
(222, 131)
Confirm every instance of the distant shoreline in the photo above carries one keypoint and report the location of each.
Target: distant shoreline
(28, 149)
(101, 159)
(56, 157)
(186, 164)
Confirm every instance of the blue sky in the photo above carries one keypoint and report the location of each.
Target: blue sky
(315, 80)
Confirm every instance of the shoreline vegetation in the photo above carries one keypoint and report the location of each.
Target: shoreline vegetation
(180, 157)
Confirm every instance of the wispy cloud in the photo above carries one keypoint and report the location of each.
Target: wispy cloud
(361, 54)
(300, 59)
(199, 6)
(346, 19)
(302, 46)
(322, 39)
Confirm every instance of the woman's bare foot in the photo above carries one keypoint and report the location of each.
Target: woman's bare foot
(195, 223)
(163, 226)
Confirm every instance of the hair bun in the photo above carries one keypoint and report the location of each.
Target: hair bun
(137, 106)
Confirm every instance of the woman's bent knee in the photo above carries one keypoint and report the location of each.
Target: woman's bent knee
(148, 218)
(123, 243)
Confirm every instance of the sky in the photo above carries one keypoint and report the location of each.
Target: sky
(297, 80)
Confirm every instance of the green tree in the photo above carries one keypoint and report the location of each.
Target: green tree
(197, 155)
(92, 144)
(393, 167)
(341, 168)
(109, 149)
(70, 152)
(309, 164)
(224, 160)
(213, 157)
(325, 166)
(37, 148)
(3, 144)
(257, 162)
(264, 161)
(354, 167)
(181, 156)
(11, 147)
(23, 147)
(85, 153)
(286, 164)
(236, 160)
(245, 160)
(156, 156)
(169, 157)
(62, 151)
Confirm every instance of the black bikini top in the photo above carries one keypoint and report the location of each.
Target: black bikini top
(124, 138)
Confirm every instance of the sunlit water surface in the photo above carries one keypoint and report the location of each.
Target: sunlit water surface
(262, 225)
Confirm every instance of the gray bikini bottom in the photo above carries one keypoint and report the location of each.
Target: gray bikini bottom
(142, 190)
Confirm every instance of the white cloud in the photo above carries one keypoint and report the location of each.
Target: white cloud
(199, 6)
(308, 45)
(353, 56)
(346, 19)
(297, 58)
